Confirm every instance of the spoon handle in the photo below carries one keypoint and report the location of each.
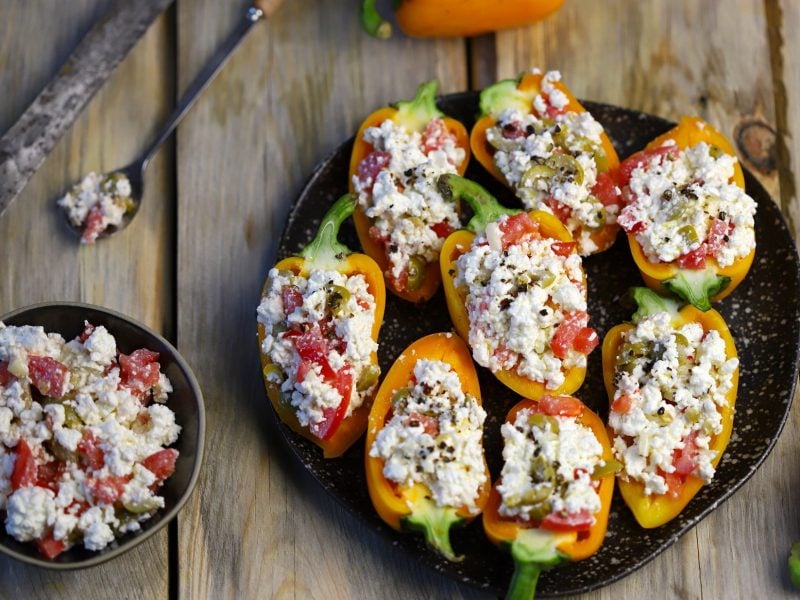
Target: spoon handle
(201, 82)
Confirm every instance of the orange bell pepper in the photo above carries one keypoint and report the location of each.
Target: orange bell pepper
(325, 252)
(534, 548)
(487, 210)
(455, 18)
(712, 283)
(404, 508)
(656, 510)
(414, 115)
(520, 94)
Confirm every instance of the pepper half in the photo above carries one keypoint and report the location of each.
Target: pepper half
(535, 549)
(414, 115)
(487, 210)
(410, 508)
(712, 283)
(325, 252)
(656, 510)
(519, 94)
(455, 18)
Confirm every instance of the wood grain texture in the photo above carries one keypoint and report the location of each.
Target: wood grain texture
(131, 273)
(297, 87)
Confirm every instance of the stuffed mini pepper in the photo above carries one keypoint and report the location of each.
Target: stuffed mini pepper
(401, 217)
(425, 465)
(689, 221)
(318, 324)
(535, 137)
(671, 378)
(553, 497)
(516, 290)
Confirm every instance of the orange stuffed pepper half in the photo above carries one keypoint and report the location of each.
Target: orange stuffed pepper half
(536, 138)
(672, 378)
(318, 324)
(516, 291)
(552, 501)
(689, 222)
(425, 464)
(401, 219)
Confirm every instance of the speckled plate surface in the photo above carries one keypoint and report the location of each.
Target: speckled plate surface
(767, 341)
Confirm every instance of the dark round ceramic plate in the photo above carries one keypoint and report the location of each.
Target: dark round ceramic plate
(763, 316)
(186, 400)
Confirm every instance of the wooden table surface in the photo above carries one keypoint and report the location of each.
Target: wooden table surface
(193, 262)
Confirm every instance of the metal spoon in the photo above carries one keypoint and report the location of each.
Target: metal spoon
(134, 172)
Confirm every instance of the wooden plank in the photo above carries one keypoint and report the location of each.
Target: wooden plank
(673, 58)
(132, 273)
(298, 87)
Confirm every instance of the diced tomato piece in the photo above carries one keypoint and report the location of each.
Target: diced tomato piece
(333, 417)
(696, 259)
(506, 357)
(24, 474)
(93, 226)
(371, 165)
(140, 370)
(435, 135)
(303, 370)
(162, 463)
(674, 483)
(718, 234)
(579, 521)
(685, 459)
(517, 227)
(629, 222)
(567, 330)
(90, 455)
(559, 406)
(605, 189)
(442, 230)
(586, 340)
(376, 236)
(622, 404)
(49, 546)
(563, 248)
(88, 330)
(638, 159)
(107, 490)
(49, 474)
(292, 298)
(561, 211)
(311, 345)
(5, 376)
(514, 130)
(429, 424)
(48, 375)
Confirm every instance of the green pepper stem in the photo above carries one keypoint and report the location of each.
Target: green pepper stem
(503, 95)
(372, 21)
(435, 523)
(649, 303)
(697, 286)
(523, 582)
(533, 550)
(486, 208)
(794, 564)
(414, 114)
(325, 251)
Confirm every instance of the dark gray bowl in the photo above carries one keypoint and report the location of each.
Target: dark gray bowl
(186, 401)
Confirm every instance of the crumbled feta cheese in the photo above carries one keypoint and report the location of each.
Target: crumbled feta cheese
(684, 199)
(552, 161)
(406, 210)
(98, 408)
(435, 437)
(547, 468)
(108, 195)
(670, 384)
(332, 313)
(516, 299)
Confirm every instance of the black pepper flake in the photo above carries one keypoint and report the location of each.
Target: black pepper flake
(661, 410)
(451, 272)
(408, 172)
(722, 215)
(530, 130)
(726, 238)
(505, 303)
(442, 445)
(543, 312)
(667, 195)
(392, 247)
(413, 423)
